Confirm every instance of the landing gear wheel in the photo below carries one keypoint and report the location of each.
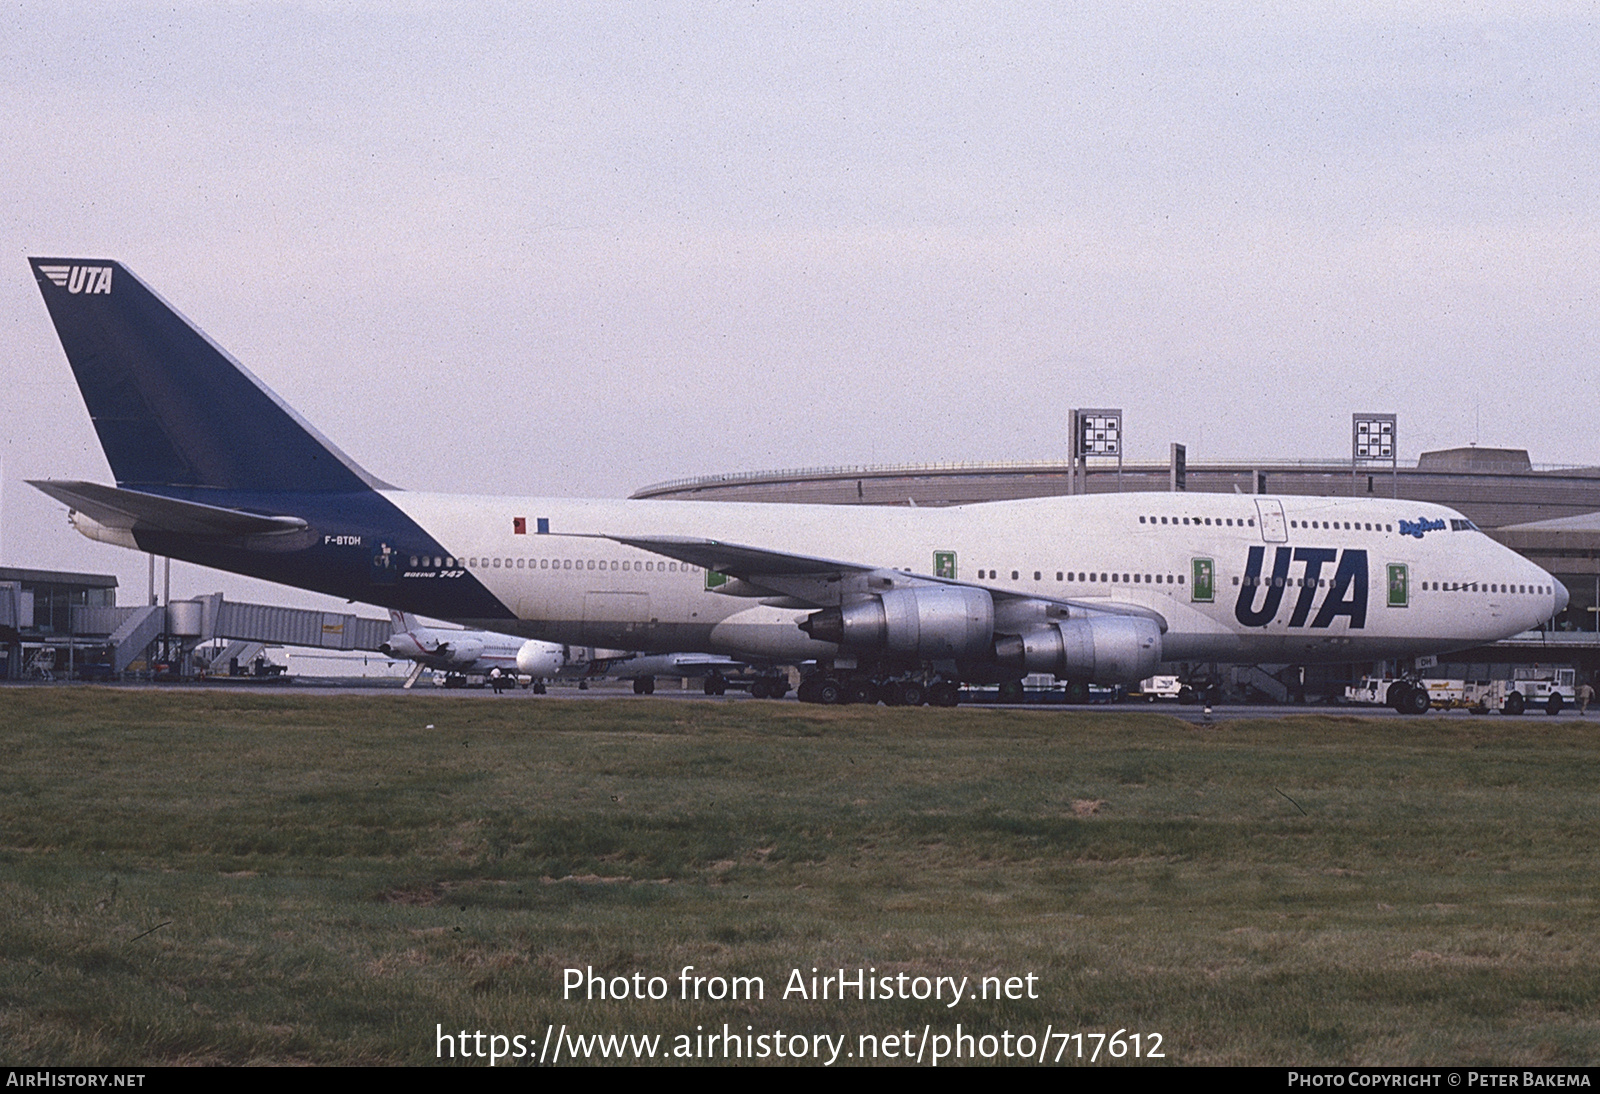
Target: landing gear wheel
(911, 693)
(1515, 704)
(943, 694)
(539, 688)
(1012, 691)
(716, 685)
(777, 688)
(638, 685)
(1078, 692)
(1415, 701)
(863, 691)
(830, 693)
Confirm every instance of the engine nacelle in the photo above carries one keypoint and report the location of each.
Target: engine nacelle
(463, 651)
(403, 645)
(1101, 649)
(923, 622)
(540, 660)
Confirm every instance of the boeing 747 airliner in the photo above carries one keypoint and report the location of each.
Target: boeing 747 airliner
(899, 604)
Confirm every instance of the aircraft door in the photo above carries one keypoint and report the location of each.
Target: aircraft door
(1399, 583)
(385, 566)
(1274, 528)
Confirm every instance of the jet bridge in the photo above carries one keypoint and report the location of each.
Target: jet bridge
(130, 633)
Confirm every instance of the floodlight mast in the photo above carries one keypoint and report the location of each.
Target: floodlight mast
(1093, 432)
(1374, 443)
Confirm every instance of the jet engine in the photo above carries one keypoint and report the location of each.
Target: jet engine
(463, 651)
(1101, 649)
(437, 648)
(923, 622)
(540, 660)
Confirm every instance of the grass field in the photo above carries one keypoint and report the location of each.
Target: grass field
(194, 877)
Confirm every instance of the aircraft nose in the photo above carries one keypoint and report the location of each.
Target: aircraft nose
(1561, 597)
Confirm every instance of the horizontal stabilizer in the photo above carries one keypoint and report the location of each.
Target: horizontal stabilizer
(136, 511)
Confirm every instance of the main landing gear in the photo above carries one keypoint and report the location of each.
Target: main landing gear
(833, 690)
(768, 687)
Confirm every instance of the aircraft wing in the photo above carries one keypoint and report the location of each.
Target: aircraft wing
(740, 561)
(133, 509)
(824, 582)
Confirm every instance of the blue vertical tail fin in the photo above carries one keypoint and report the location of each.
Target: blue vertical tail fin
(171, 407)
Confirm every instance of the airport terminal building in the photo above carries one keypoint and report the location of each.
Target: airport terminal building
(1551, 515)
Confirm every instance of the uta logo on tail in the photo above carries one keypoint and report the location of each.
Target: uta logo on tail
(84, 279)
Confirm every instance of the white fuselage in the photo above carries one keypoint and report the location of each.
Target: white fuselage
(1425, 579)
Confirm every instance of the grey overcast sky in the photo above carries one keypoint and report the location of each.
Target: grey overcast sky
(571, 249)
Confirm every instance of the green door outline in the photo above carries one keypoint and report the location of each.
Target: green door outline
(1202, 580)
(944, 564)
(1399, 585)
